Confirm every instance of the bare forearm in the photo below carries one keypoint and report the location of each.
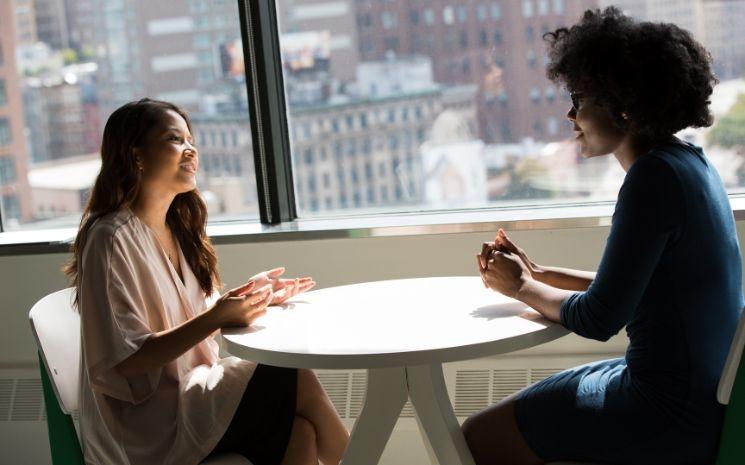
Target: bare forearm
(544, 298)
(564, 278)
(165, 346)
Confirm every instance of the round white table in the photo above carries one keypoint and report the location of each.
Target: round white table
(401, 331)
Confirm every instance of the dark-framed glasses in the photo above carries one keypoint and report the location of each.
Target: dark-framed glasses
(576, 99)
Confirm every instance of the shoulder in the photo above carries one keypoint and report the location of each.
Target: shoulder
(673, 157)
(657, 170)
(654, 162)
(653, 184)
(110, 231)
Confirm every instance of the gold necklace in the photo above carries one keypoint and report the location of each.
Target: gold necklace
(157, 238)
(160, 242)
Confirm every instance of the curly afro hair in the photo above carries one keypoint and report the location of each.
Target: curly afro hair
(653, 78)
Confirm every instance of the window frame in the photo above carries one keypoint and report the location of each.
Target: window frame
(267, 111)
(477, 221)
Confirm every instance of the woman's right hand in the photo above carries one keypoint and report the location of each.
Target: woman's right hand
(242, 305)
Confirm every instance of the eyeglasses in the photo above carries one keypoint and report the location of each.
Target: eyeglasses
(576, 99)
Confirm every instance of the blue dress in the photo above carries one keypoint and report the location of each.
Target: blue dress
(671, 272)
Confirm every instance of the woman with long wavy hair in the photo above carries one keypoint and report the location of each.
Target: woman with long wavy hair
(153, 387)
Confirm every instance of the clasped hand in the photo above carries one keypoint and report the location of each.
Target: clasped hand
(503, 266)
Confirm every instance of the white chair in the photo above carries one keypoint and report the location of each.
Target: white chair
(56, 328)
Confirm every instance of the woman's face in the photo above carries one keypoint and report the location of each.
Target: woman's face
(169, 160)
(594, 130)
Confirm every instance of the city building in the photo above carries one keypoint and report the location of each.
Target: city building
(80, 25)
(716, 23)
(62, 116)
(724, 36)
(360, 152)
(24, 22)
(364, 153)
(226, 175)
(60, 188)
(15, 201)
(173, 50)
(335, 17)
(496, 45)
(51, 23)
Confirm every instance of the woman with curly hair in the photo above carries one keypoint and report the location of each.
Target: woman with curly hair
(671, 271)
(154, 389)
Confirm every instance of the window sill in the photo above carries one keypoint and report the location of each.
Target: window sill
(559, 216)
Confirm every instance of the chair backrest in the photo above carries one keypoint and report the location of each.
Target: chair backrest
(731, 392)
(729, 374)
(56, 327)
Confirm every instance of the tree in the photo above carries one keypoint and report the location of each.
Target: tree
(70, 56)
(729, 130)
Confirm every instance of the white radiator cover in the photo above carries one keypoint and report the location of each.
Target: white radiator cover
(472, 385)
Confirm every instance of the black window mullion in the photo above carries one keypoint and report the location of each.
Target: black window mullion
(267, 110)
(2, 202)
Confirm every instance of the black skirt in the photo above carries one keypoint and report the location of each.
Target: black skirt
(261, 426)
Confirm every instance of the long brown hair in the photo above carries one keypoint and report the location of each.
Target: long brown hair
(118, 183)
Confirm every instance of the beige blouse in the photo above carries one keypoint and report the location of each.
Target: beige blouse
(175, 414)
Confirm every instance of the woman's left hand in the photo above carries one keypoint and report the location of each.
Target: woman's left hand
(284, 289)
(503, 272)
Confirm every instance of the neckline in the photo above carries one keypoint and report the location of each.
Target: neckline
(180, 282)
(179, 279)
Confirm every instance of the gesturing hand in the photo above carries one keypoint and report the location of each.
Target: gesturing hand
(242, 305)
(283, 289)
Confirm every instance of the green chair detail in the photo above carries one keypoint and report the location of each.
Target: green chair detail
(731, 393)
(56, 328)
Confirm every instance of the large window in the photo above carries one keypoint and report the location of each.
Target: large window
(382, 107)
(70, 79)
(457, 125)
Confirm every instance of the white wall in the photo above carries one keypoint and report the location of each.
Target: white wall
(25, 279)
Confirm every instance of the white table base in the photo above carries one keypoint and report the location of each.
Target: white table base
(387, 392)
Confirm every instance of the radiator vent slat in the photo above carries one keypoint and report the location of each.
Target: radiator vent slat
(506, 382)
(408, 410)
(357, 393)
(471, 391)
(6, 394)
(539, 374)
(475, 389)
(337, 388)
(27, 400)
